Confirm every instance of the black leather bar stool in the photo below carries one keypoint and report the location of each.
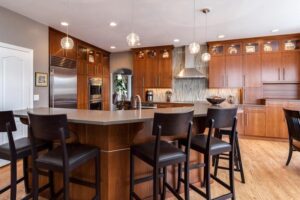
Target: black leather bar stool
(293, 124)
(64, 158)
(160, 154)
(15, 150)
(211, 146)
(237, 155)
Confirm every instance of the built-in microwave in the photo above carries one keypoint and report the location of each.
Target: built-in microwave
(95, 94)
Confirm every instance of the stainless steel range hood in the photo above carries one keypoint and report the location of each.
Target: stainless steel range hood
(189, 70)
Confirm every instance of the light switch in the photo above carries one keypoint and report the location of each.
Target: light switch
(36, 97)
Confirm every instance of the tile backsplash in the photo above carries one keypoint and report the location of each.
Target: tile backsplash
(192, 89)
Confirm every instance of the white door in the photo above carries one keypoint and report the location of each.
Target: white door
(16, 84)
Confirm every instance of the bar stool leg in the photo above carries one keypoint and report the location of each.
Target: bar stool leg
(164, 183)
(97, 176)
(25, 174)
(231, 174)
(179, 171)
(216, 165)
(240, 160)
(13, 180)
(131, 176)
(187, 180)
(51, 184)
(35, 184)
(155, 183)
(207, 176)
(66, 185)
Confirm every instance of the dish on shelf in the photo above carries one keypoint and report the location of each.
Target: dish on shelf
(268, 48)
(250, 49)
(289, 45)
(232, 50)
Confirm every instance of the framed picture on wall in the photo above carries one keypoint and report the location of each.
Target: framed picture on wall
(41, 79)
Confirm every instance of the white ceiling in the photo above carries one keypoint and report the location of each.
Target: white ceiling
(158, 22)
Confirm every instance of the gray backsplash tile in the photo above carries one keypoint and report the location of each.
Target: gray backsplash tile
(192, 89)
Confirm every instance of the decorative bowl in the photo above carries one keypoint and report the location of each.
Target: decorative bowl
(215, 100)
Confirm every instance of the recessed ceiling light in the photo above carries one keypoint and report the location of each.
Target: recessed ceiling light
(112, 47)
(113, 24)
(275, 30)
(176, 40)
(64, 23)
(221, 36)
(138, 44)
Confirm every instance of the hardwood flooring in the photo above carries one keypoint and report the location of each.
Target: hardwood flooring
(267, 177)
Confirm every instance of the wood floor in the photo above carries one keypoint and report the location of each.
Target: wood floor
(267, 177)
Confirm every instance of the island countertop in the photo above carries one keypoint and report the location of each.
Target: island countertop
(114, 117)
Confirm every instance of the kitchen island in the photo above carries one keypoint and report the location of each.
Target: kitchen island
(114, 132)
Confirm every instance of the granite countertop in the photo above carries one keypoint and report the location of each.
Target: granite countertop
(114, 117)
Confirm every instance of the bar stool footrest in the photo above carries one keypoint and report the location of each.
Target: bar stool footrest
(220, 182)
(8, 187)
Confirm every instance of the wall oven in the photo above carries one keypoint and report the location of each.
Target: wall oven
(95, 94)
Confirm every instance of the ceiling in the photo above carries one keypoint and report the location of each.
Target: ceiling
(159, 22)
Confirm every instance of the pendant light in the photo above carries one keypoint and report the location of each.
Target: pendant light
(205, 56)
(194, 47)
(132, 38)
(67, 42)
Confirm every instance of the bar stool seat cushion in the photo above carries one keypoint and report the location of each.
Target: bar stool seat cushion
(217, 146)
(23, 148)
(78, 154)
(168, 153)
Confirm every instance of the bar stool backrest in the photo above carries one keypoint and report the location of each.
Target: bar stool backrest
(49, 127)
(7, 119)
(172, 124)
(223, 117)
(293, 123)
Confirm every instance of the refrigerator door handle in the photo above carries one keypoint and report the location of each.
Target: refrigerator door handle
(52, 87)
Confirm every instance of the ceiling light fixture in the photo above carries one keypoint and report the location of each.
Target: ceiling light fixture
(221, 36)
(194, 47)
(132, 38)
(176, 40)
(205, 56)
(112, 47)
(113, 24)
(275, 30)
(66, 42)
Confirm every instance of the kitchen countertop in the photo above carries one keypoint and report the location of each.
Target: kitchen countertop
(115, 117)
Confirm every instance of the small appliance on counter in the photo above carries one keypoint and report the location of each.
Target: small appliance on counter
(149, 96)
(168, 95)
(95, 94)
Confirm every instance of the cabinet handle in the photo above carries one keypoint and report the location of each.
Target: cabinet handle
(143, 82)
(224, 81)
(278, 73)
(246, 116)
(158, 80)
(283, 73)
(244, 80)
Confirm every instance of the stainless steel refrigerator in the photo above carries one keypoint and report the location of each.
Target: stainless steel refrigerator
(63, 83)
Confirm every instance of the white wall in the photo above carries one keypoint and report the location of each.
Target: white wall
(21, 31)
(120, 60)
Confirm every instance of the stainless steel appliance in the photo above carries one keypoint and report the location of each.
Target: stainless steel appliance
(149, 95)
(95, 94)
(63, 83)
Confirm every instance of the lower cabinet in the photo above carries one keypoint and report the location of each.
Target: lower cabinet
(254, 121)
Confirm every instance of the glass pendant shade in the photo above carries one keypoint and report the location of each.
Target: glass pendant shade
(133, 39)
(205, 57)
(67, 43)
(194, 48)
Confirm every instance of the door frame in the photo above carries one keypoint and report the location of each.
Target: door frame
(26, 50)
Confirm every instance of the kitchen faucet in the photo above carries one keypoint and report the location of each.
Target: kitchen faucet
(138, 101)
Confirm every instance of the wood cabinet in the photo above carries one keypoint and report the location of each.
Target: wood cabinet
(275, 120)
(291, 66)
(152, 68)
(106, 83)
(82, 92)
(234, 71)
(217, 72)
(254, 121)
(55, 48)
(271, 67)
(252, 70)
(252, 95)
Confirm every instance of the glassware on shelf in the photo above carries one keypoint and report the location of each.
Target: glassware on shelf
(217, 50)
(234, 49)
(271, 46)
(251, 47)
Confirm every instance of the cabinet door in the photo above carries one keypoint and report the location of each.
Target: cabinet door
(165, 70)
(91, 69)
(240, 124)
(139, 63)
(217, 72)
(291, 66)
(99, 70)
(252, 70)
(105, 93)
(105, 66)
(81, 67)
(151, 69)
(255, 121)
(234, 71)
(271, 67)
(54, 41)
(276, 126)
(82, 92)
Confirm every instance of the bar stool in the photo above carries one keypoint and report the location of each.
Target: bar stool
(15, 150)
(160, 154)
(212, 146)
(64, 158)
(237, 155)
